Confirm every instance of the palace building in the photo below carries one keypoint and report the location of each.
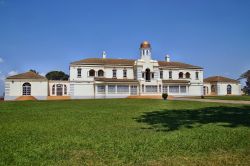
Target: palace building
(112, 78)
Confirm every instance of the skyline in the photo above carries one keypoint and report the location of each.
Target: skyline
(45, 36)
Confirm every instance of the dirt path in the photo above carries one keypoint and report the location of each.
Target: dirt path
(215, 101)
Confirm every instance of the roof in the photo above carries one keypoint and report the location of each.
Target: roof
(176, 81)
(105, 61)
(101, 79)
(27, 75)
(177, 65)
(130, 62)
(220, 79)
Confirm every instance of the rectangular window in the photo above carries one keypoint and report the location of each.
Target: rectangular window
(79, 72)
(174, 89)
(142, 74)
(122, 89)
(153, 75)
(125, 73)
(111, 88)
(151, 88)
(114, 73)
(197, 75)
(161, 74)
(101, 88)
(170, 74)
(165, 89)
(183, 89)
(133, 90)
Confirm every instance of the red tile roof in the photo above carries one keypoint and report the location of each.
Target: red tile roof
(176, 81)
(115, 80)
(27, 75)
(130, 62)
(219, 79)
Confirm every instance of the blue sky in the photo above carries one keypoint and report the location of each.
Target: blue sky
(49, 34)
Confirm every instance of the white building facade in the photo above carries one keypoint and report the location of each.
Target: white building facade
(113, 78)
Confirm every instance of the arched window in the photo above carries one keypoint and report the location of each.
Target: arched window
(147, 74)
(229, 89)
(180, 75)
(187, 75)
(26, 89)
(100, 73)
(53, 89)
(65, 89)
(92, 73)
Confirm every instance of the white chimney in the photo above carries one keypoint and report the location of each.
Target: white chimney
(104, 55)
(167, 58)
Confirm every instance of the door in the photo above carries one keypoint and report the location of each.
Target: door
(59, 89)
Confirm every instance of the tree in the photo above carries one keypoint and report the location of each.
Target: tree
(34, 71)
(57, 75)
(246, 76)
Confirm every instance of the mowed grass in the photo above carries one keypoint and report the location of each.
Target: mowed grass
(124, 132)
(245, 98)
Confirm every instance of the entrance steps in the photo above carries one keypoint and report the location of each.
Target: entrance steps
(23, 98)
(58, 98)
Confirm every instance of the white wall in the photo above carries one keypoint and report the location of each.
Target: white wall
(39, 89)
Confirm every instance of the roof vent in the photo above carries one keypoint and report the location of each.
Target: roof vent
(167, 58)
(104, 55)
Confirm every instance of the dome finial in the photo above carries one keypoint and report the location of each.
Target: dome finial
(145, 44)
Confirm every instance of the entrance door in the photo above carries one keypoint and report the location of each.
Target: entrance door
(59, 89)
(133, 90)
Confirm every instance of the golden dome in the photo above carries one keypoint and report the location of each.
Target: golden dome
(145, 44)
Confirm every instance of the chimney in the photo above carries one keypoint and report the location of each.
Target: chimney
(104, 55)
(167, 58)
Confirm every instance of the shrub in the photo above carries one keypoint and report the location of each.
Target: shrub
(164, 96)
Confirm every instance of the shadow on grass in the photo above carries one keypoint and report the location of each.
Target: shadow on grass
(169, 120)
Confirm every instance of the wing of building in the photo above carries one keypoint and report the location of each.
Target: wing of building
(112, 78)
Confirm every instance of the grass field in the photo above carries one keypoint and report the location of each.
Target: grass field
(246, 98)
(124, 132)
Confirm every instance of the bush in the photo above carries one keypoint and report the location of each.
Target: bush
(164, 96)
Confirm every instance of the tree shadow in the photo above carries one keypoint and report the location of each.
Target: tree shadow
(170, 120)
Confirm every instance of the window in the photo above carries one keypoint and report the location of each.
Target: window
(180, 75)
(165, 89)
(142, 88)
(125, 73)
(111, 88)
(229, 89)
(100, 73)
(161, 74)
(122, 88)
(148, 75)
(174, 89)
(151, 88)
(92, 73)
(170, 74)
(26, 89)
(213, 88)
(114, 73)
(79, 72)
(65, 89)
(101, 88)
(183, 89)
(143, 74)
(153, 75)
(53, 89)
(187, 75)
(197, 75)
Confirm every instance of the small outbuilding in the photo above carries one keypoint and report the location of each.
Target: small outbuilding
(219, 86)
(29, 85)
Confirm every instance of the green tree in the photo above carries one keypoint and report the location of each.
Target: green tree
(34, 71)
(57, 75)
(246, 76)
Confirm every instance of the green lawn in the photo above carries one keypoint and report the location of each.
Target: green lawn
(246, 98)
(124, 132)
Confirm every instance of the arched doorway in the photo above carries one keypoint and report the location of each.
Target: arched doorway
(229, 89)
(59, 89)
(26, 89)
(148, 75)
